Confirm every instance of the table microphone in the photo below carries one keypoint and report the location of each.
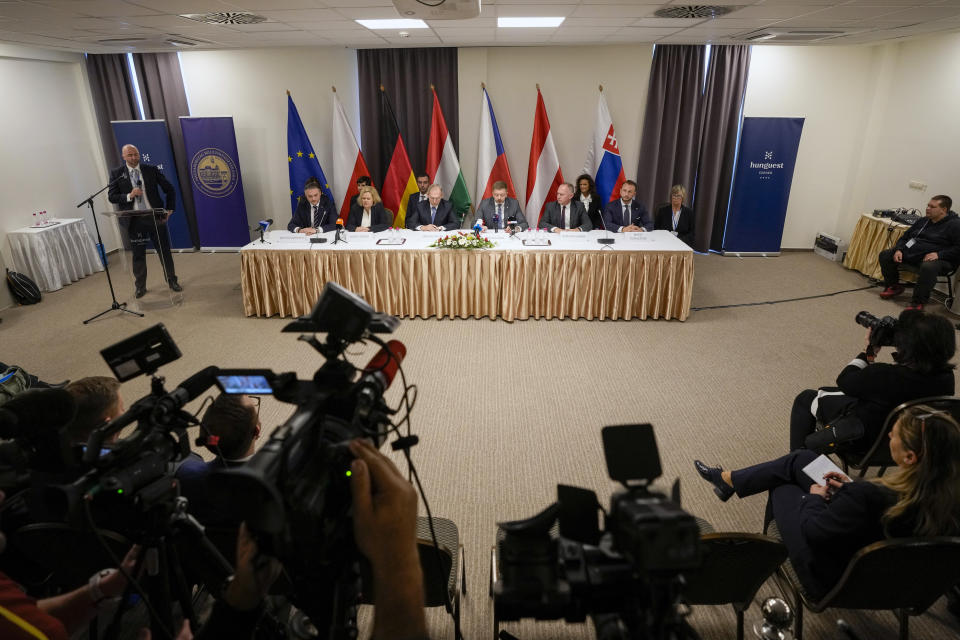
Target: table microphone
(264, 224)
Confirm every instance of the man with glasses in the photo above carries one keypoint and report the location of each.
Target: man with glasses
(931, 244)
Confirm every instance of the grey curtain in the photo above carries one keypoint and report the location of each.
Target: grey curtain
(406, 75)
(165, 98)
(670, 142)
(113, 98)
(723, 107)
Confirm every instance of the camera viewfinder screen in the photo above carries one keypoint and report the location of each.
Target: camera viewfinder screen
(256, 385)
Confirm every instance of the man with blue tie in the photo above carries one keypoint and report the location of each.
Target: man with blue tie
(435, 214)
(134, 186)
(626, 214)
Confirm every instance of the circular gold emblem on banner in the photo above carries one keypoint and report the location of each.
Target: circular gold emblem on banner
(214, 172)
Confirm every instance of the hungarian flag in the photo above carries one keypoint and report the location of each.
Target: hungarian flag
(543, 170)
(442, 164)
(301, 160)
(399, 183)
(603, 155)
(491, 156)
(348, 163)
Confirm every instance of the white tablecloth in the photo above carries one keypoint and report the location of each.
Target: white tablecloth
(55, 256)
(643, 275)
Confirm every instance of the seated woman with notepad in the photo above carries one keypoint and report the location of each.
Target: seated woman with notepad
(368, 214)
(824, 518)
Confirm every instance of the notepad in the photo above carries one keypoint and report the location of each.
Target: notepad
(820, 467)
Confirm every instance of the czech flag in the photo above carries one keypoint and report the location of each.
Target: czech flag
(491, 157)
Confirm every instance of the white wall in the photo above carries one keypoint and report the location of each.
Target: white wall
(918, 136)
(834, 89)
(251, 86)
(50, 156)
(569, 79)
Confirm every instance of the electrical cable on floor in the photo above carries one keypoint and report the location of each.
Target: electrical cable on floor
(755, 304)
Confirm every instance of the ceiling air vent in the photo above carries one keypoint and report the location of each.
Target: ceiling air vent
(793, 35)
(693, 11)
(225, 17)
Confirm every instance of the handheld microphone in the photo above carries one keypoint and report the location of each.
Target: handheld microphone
(264, 224)
(339, 224)
(478, 227)
(382, 368)
(512, 224)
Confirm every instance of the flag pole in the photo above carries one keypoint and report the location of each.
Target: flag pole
(601, 88)
(334, 88)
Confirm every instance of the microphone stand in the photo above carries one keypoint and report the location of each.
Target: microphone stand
(338, 236)
(115, 306)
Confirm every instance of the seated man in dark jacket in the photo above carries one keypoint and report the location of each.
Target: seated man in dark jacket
(932, 244)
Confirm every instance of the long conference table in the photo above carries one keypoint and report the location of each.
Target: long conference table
(641, 275)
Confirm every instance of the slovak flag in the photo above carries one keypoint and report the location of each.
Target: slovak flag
(491, 157)
(543, 170)
(603, 155)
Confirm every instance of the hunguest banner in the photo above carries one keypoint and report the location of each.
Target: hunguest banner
(151, 140)
(761, 185)
(215, 177)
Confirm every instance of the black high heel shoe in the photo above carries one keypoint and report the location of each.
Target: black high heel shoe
(713, 475)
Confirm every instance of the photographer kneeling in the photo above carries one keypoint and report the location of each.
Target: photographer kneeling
(866, 392)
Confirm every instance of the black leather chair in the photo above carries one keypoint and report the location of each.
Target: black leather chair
(878, 455)
(906, 575)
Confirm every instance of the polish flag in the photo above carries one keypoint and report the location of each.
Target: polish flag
(348, 164)
(491, 156)
(543, 170)
(603, 155)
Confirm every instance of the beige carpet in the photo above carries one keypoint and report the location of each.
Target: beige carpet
(507, 411)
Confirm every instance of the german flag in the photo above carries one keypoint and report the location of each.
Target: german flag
(399, 183)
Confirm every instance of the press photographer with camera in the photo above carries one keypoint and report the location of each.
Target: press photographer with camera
(824, 525)
(857, 408)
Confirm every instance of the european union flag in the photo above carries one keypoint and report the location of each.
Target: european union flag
(301, 159)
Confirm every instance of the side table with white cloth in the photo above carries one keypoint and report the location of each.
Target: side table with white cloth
(56, 255)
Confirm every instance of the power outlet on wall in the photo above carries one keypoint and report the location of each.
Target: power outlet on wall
(919, 185)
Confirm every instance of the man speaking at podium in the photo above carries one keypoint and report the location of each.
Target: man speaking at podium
(134, 186)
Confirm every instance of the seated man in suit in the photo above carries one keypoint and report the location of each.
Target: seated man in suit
(676, 217)
(932, 244)
(230, 428)
(423, 181)
(134, 186)
(315, 211)
(436, 214)
(566, 214)
(626, 214)
(496, 210)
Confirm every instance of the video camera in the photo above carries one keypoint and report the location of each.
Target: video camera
(628, 577)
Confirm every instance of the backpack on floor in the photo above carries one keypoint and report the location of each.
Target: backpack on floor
(23, 288)
(13, 380)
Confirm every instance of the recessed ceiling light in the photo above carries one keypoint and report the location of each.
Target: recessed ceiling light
(394, 24)
(530, 22)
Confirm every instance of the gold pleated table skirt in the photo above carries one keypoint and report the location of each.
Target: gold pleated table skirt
(451, 283)
(871, 236)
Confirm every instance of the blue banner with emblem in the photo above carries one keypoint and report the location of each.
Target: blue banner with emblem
(151, 139)
(761, 184)
(211, 146)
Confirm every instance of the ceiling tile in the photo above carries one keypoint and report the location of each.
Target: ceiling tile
(374, 13)
(302, 15)
(668, 22)
(773, 12)
(534, 10)
(615, 10)
(101, 8)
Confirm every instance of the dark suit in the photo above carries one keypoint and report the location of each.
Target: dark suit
(379, 218)
(820, 536)
(141, 228)
(511, 209)
(578, 216)
(414, 200)
(445, 218)
(594, 211)
(638, 215)
(303, 216)
(664, 220)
